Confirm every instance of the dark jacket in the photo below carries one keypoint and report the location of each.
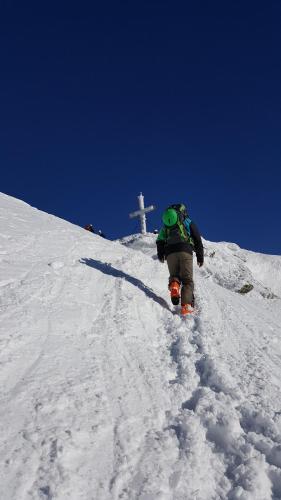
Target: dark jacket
(163, 249)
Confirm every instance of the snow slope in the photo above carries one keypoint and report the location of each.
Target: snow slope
(106, 393)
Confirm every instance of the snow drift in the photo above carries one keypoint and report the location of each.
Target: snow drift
(106, 393)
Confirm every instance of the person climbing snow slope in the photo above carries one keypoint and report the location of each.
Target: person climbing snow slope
(177, 240)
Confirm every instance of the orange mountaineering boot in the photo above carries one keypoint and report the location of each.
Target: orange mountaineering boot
(186, 309)
(174, 288)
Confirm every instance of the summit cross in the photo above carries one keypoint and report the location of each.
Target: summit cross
(141, 213)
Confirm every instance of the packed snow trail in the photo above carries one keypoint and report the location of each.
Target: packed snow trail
(106, 394)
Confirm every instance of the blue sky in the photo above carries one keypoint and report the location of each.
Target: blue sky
(179, 100)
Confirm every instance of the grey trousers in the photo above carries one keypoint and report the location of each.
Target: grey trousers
(180, 266)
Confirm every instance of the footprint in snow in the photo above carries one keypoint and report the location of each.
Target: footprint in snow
(56, 265)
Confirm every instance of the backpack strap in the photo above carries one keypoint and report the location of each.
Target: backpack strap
(182, 230)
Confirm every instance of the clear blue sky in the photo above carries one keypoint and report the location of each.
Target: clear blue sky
(179, 100)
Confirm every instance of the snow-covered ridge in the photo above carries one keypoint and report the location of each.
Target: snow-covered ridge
(227, 265)
(106, 393)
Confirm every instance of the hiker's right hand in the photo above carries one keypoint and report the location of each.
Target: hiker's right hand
(199, 264)
(161, 259)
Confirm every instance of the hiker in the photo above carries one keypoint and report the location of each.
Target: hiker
(89, 227)
(100, 233)
(177, 240)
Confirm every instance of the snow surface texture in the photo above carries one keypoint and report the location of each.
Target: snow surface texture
(106, 393)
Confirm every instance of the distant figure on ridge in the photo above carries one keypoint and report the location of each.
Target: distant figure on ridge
(177, 240)
(89, 227)
(101, 233)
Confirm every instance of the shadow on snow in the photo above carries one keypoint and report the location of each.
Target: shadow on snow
(106, 268)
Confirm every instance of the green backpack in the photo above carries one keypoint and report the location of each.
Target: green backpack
(177, 225)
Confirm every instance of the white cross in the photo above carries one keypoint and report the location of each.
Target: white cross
(141, 213)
